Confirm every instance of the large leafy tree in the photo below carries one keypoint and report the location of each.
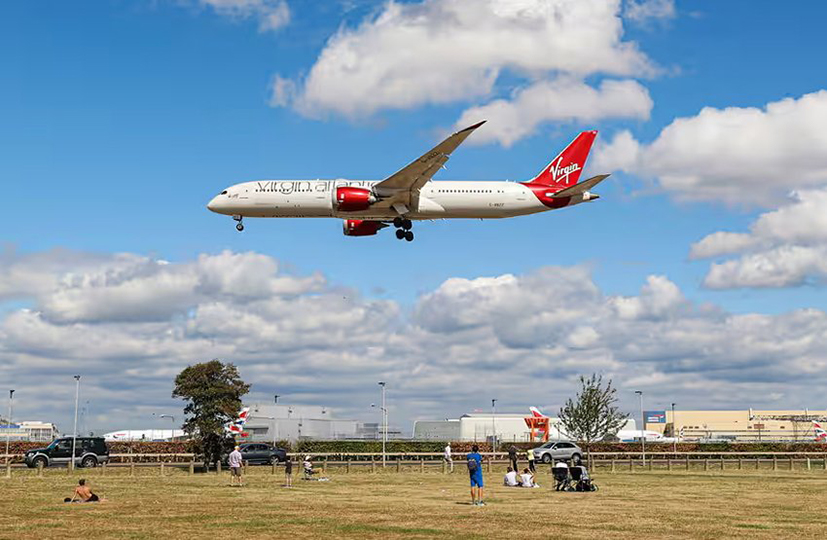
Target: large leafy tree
(212, 391)
(593, 413)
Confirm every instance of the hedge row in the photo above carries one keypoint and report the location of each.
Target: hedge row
(375, 447)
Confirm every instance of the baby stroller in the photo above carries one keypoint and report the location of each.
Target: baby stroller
(580, 479)
(562, 480)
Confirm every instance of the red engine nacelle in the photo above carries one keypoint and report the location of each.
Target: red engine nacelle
(360, 227)
(352, 199)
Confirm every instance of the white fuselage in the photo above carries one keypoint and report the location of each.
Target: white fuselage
(437, 200)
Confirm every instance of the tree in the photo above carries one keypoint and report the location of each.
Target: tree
(592, 414)
(213, 392)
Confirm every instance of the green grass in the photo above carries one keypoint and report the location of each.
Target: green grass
(732, 504)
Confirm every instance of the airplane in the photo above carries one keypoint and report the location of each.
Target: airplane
(820, 434)
(144, 435)
(408, 195)
(236, 427)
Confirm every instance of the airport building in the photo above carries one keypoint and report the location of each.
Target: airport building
(479, 427)
(751, 425)
(273, 422)
(29, 432)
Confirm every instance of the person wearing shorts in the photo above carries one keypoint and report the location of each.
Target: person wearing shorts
(475, 472)
(288, 472)
(235, 467)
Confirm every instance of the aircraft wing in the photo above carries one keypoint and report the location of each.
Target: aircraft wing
(401, 189)
(583, 186)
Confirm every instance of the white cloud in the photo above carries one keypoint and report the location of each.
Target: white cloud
(734, 155)
(784, 247)
(271, 14)
(445, 51)
(562, 99)
(469, 337)
(642, 11)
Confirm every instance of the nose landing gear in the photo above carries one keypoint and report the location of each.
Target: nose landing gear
(238, 226)
(403, 228)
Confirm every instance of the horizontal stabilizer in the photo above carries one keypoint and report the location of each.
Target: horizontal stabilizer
(582, 187)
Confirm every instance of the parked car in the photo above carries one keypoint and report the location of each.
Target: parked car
(89, 452)
(259, 454)
(557, 451)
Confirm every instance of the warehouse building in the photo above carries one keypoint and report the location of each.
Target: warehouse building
(751, 425)
(29, 432)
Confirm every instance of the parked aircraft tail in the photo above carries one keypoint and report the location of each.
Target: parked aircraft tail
(564, 170)
(236, 427)
(820, 433)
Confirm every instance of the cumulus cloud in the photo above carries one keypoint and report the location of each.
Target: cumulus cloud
(446, 51)
(737, 155)
(561, 99)
(271, 14)
(301, 336)
(784, 247)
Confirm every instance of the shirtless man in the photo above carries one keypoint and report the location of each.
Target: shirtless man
(83, 493)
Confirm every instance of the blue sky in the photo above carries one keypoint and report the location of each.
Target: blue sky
(121, 119)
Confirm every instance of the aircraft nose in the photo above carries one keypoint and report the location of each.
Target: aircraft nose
(213, 204)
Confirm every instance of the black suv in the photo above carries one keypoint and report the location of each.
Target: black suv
(89, 452)
(259, 454)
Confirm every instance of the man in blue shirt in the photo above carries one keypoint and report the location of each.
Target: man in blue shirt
(475, 471)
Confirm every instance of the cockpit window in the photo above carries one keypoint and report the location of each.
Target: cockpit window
(224, 192)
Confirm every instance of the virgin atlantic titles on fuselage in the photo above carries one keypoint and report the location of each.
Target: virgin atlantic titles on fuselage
(366, 206)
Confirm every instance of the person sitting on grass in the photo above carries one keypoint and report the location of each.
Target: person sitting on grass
(308, 468)
(527, 479)
(510, 479)
(82, 494)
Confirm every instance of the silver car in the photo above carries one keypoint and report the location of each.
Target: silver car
(558, 451)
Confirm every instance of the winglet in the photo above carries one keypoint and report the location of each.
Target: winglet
(472, 128)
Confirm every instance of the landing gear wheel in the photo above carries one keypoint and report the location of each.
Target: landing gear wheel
(400, 234)
(397, 222)
(239, 227)
(406, 224)
(409, 236)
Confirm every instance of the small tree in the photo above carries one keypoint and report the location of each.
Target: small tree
(592, 414)
(213, 392)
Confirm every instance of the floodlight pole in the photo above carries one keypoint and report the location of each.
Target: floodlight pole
(674, 432)
(494, 427)
(8, 427)
(642, 427)
(384, 422)
(75, 432)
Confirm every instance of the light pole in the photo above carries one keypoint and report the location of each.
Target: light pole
(384, 422)
(275, 419)
(8, 427)
(642, 427)
(75, 432)
(674, 432)
(494, 427)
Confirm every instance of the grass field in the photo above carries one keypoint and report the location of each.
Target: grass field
(387, 505)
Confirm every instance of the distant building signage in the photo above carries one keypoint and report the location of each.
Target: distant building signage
(655, 417)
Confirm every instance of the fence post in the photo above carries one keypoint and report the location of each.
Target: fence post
(775, 463)
(722, 463)
(372, 465)
(668, 464)
(162, 468)
(132, 468)
(740, 463)
(422, 465)
(39, 469)
(651, 459)
(791, 463)
(687, 461)
(613, 464)
(8, 468)
(808, 463)
(192, 467)
(757, 463)
(631, 464)
(489, 464)
(324, 465)
(398, 462)
(444, 466)
(825, 463)
(103, 469)
(218, 466)
(706, 464)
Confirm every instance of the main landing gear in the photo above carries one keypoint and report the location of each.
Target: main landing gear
(238, 226)
(403, 228)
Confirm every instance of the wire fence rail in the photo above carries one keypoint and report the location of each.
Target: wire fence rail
(432, 462)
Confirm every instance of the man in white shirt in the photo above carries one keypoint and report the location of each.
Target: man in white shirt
(527, 479)
(448, 459)
(510, 479)
(235, 467)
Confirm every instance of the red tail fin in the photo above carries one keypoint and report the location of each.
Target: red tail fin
(565, 169)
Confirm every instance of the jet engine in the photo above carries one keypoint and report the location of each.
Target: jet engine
(352, 199)
(361, 227)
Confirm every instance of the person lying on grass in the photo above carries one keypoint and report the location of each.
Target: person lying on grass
(82, 494)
